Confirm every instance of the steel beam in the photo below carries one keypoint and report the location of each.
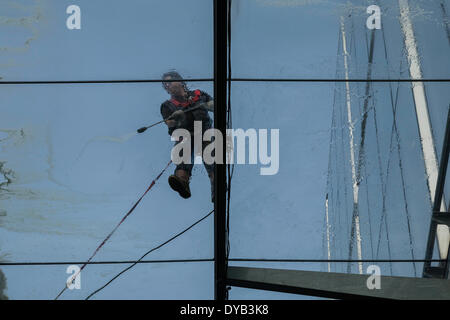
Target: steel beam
(220, 116)
(437, 215)
(338, 285)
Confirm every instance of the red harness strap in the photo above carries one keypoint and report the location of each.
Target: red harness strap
(187, 103)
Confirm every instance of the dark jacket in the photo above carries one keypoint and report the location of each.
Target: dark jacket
(201, 114)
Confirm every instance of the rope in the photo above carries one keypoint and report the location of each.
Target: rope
(361, 153)
(330, 190)
(117, 226)
(151, 250)
(397, 136)
(230, 169)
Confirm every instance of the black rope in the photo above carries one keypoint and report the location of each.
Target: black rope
(345, 184)
(397, 136)
(394, 130)
(384, 187)
(361, 152)
(383, 184)
(383, 181)
(369, 212)
(330, 190)
(384, 210)
(371, 92)
(446, 21)
(229, 125)
(408, 217)
(339, 155)
(151, 250)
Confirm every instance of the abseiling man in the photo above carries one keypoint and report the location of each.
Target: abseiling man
(177, 108)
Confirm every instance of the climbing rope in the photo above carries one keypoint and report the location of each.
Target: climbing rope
(117, 226)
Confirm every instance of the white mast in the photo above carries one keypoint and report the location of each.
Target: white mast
(352, 149)
(426, 137)
(328, 233)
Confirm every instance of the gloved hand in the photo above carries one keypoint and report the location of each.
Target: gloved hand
(178, 115)
(210, 106)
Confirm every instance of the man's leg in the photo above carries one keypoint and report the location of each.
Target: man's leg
(211, 179)
(210, 170)
(179, 181)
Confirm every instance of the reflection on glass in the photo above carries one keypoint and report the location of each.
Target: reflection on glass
(298, 39)
(116, 40)
(346, 189)
(72, 165)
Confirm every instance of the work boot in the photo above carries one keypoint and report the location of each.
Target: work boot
(211, 179)
(180, 183)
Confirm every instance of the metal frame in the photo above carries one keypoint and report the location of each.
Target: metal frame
(438, 217)
(322, 284)
(220, 116)
(339, 285)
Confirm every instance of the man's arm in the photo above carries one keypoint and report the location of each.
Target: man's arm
(166, 113)
(210, 106)
(208, 101)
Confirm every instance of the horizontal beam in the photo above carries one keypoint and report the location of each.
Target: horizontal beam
(338, 285)
(441, 218)
(434, 272)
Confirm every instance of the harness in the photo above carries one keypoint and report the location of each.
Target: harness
(189, 102)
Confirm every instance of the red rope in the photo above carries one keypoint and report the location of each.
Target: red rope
(121, 221)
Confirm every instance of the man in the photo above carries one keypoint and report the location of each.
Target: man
(181, 100)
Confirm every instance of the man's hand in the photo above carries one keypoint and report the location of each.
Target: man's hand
(175, 118)
(210, 106)
(178, 116)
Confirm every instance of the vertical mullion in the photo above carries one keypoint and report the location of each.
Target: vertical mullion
(220, 112)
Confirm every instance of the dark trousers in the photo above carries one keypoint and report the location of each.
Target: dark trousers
(188, 166)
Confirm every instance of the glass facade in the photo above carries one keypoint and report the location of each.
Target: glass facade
(329, 169)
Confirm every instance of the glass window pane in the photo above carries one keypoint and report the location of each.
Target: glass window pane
(299, 39)
(338, 191)
(341, 172)
(71, 162)
(74, 165)
(116, 40)
(154, 281)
